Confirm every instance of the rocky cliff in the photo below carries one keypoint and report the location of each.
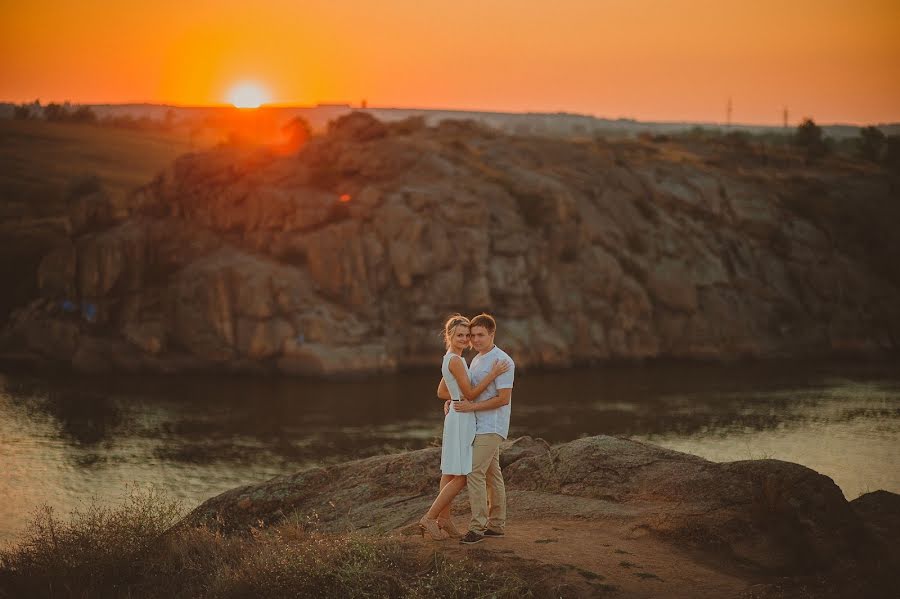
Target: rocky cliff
(345, 257)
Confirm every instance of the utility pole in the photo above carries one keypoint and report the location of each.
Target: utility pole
(784, 116)
(728, 112)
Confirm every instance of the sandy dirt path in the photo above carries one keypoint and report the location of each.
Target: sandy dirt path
(600, 558)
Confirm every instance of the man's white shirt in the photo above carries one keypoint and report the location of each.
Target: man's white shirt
(496, 420)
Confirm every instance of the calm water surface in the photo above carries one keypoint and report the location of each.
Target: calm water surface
(64, 441)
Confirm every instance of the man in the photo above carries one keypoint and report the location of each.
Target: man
(487, 493)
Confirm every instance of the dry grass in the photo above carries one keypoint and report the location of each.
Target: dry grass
(133, 550)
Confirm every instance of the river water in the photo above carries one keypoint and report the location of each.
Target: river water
(67, 440)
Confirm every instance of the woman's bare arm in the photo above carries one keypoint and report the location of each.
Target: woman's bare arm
(462, 378)
(442, 391)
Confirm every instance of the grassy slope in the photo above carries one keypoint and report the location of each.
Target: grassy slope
(38, 162)
(36, 155)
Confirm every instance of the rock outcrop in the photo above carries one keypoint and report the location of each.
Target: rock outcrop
(770, 516)
(345, 257)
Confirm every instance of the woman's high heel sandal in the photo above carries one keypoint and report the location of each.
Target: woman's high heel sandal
(431, 529)
(448, 527)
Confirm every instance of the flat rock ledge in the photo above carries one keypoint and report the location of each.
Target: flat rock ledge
(765, 516)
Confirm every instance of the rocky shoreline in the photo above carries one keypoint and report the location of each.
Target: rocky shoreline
(755, 524)
(343, 258)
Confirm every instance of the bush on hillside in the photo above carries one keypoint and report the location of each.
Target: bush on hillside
(810, 139)
(871, 143)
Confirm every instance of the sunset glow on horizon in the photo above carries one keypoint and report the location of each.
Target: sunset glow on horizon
(247, 95)
(681, 60)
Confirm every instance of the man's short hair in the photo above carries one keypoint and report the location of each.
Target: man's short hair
(484, 320)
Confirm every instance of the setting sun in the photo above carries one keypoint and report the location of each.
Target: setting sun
(247, 95)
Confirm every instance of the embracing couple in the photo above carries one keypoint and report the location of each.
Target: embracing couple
(476, 421)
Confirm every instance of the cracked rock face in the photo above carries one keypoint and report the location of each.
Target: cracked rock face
(771, 515)
(345, 257)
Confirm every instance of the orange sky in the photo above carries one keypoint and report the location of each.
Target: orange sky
(834, 60)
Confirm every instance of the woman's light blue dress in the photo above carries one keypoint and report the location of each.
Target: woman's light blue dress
(459, 427)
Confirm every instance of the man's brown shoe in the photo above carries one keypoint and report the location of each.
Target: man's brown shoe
(471, 538)
(494, 533)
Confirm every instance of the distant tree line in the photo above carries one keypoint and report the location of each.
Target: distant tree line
(53, 112)
(67, 113)
(807, 139)
(871, 145)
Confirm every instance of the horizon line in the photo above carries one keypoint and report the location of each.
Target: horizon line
(353, 107)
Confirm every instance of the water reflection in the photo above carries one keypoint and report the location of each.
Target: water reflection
(65, 439)
(86, 418)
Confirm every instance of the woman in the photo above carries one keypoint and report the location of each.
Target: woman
(459, 428)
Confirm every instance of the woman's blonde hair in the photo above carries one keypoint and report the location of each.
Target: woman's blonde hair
(453, 322)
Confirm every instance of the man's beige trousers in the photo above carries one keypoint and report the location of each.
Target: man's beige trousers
(487, 494)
